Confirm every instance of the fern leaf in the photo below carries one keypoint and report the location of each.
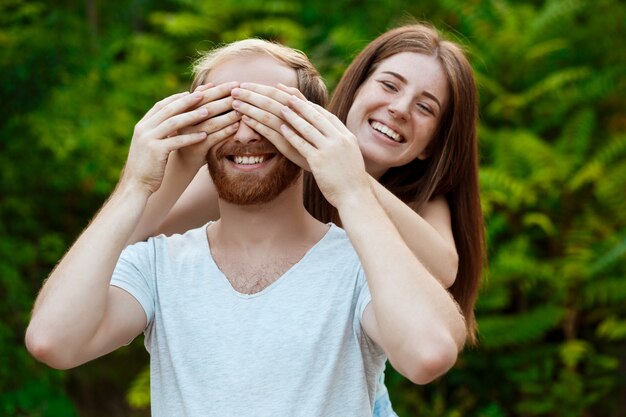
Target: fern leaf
(577, 134)
(551, 18)
(502, 331)
(611, 257)
(612, 329)
(605, 292)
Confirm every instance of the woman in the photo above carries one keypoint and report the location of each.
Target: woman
(410, 99)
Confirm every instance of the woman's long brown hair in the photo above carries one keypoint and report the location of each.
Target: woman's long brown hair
(452, 168)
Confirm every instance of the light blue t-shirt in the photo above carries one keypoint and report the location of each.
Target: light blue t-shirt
(296, 348)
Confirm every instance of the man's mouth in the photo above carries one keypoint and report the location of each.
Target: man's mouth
(247, 155)
(250, 159)
(387, 131)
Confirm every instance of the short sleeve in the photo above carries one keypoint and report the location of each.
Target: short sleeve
(363, 297)
(135, 274)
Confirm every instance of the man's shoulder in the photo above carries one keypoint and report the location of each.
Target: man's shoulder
(337, 244)
(194, 238)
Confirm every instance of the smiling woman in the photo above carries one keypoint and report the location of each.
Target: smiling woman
(444, 225)
(397, 111)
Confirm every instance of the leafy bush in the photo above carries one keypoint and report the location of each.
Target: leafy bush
(551, 314)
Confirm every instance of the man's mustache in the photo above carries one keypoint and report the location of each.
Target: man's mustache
(236, 148)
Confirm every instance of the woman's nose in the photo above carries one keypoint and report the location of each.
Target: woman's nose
(399, 108)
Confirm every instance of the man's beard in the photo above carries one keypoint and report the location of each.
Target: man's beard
(250, 188)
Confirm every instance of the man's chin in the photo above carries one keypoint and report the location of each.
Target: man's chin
(247, 189)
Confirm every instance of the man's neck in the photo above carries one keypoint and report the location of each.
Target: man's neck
(254, 246)
(279, 223)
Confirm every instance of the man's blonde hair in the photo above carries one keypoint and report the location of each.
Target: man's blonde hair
(310, 82)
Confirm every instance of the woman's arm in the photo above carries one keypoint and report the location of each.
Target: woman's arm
(186, 197)
(411, 315)
(428, 232)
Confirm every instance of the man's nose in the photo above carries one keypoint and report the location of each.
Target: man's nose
(245, 134)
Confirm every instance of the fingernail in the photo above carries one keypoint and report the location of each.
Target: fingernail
(286, 109)
(246, 118)
(203, 111)
(245, 85)
(196, 95)
(236, 103)
(235, 92)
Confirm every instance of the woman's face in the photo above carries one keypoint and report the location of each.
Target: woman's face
(396, 111)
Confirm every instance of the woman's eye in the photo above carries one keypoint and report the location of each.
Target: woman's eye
(425, 108)
(388, 86)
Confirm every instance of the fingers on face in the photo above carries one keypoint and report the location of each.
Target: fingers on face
(312, 115)
(180, 141)
(203, 87)
(278, 139)
(303, 128)
(291, 91)
(177, 103)
(250, 91)
(300, 144)
(338, 124)
(179, 121)
(218, 92)
(162, 103)
(219, 123)
(268, 118)
(219, 107)
(224, 133)
(270, 133)
(174, 109)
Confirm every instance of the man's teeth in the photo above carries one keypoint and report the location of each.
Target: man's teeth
(386, 131)
(248, 160)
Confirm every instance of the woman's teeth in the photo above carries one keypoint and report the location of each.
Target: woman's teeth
(386, 131)
(248, 160)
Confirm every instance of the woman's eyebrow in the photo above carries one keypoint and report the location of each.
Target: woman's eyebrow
(395, 74)
(404, 80)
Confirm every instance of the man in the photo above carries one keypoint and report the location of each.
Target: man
(264, 312)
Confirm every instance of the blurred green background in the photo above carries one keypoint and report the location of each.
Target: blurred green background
(76, 76)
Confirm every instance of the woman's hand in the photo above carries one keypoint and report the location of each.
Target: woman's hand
(330, 149)
(221, 122)
(157, 134)
(261, 108)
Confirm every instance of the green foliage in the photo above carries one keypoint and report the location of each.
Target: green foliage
(36, 399)
(139, 392)
(552, 314)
